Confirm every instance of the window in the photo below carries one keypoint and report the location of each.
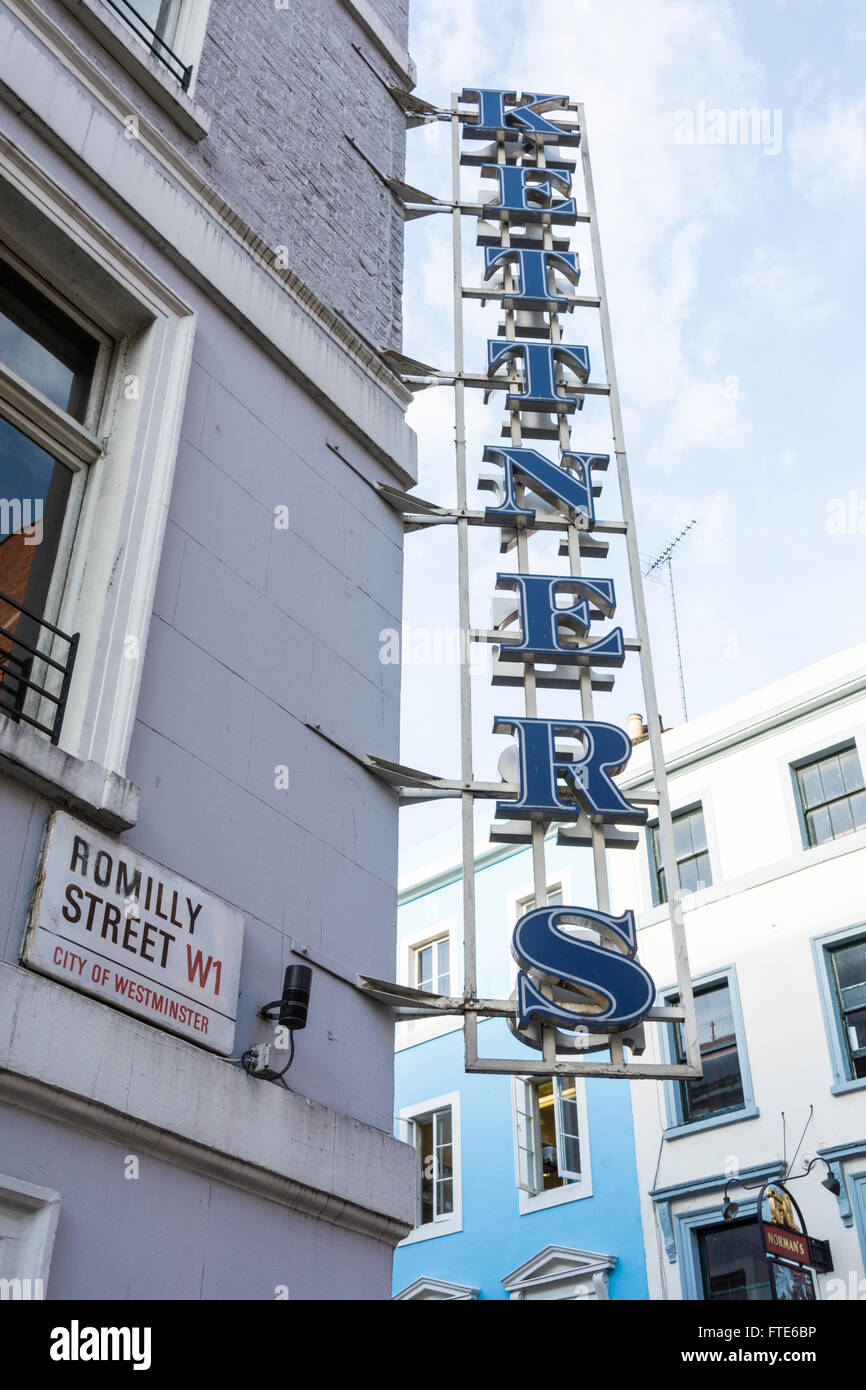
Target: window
(432, 966)
(848, 972)
(155, 22)
(28, 1220)
(547, 1134)
(52, 375)
(434, 1167)
(527, 903)
(832, 797)
(733, 1263)
(433, 1130)
(690, 846)
(725, 1087)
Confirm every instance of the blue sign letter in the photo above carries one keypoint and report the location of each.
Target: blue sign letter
(551, 482)
(624, 991)
(494, 115)
(540, 387)
(606, 750)
(540, 619)
(534, 268)
(529, 191)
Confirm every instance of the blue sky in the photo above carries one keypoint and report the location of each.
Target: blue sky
(735, 279)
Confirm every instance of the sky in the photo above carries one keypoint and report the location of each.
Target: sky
(735, 275)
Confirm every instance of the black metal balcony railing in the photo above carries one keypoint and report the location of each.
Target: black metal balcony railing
(21, 695)
(157, 45)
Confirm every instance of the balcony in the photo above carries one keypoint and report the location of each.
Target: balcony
(36, 665)
(149, 35)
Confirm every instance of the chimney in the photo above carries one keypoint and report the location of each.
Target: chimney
(636, 728)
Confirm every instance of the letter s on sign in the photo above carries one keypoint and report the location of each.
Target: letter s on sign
(625, 991)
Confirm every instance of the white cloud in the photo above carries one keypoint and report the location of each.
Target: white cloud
(828, 157)
(782, 284)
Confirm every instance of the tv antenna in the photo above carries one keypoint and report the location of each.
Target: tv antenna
(665, 558)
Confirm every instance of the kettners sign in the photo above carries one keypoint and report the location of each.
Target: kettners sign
(115, 925)
(580, 989)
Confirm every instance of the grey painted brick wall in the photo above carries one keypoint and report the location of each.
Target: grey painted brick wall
(283, 90)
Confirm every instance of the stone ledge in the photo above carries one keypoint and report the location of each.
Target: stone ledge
(384, 38)
(83, 787)
(126, 1082)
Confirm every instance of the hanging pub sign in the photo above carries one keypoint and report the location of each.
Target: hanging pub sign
(787, 1246)
(133, 934)
(581, 990)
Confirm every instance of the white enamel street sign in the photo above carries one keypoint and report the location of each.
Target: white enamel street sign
(134, 934)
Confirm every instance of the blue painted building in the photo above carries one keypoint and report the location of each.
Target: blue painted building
(523, 1189)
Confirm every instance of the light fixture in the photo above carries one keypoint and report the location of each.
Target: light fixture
(291, 1010)
(729, 1210)
(831, 1182)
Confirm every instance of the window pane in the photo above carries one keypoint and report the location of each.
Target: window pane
(425, 1168)
(682, 836)
(855, 1024)
(569, 1121)
(721, 1088)
(810, 785)
(851, 770)
(705, 876)
(831, 776)
(688, 872)
(733, 1263)
(699, 830)
(858, 808)
(161, 15)
(443, 980)
(841, 820)
(42, 345)
(34, 489)
(850, 963)
(444, 1197)
(424, 958)
(547, 1126)
(819, 826)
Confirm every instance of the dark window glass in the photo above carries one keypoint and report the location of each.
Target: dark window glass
(34, 490)
(690, 846)
(720, 1089)
(849, 977)
(43, 345)
(733, 1263)
(832, 796)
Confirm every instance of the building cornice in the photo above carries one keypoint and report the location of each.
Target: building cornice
(748, 731)
(384, 38)
(148, 178)
(81, 1063)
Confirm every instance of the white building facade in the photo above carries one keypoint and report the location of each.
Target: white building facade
(770, 823)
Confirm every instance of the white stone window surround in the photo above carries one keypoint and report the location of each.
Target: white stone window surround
(540, 1200)
(28, 1222)
(134, 56)
(423, 1029)
(449, 1225)
(114, 558)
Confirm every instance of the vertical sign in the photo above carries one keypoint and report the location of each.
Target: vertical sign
(577, 995)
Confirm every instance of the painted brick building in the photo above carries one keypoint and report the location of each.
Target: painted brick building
(199, 261)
